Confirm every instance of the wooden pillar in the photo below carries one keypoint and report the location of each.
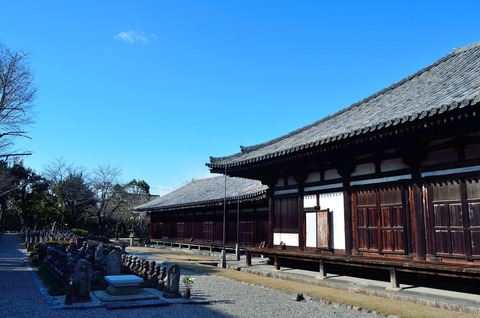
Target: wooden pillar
(323, 272)
(276, 263)
(248, 258)
(301, 219)
(270, 181)
(416, 204)
(347, 210)
(345, 167)
(271, 216)
(394, 285)
(413, 154)
(300, 175)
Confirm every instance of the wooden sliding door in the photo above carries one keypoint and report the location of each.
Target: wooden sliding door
(454, 219)
(380, 222)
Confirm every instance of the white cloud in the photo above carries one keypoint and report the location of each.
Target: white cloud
(133, 36)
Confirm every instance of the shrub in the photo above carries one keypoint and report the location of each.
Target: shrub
(79, 232)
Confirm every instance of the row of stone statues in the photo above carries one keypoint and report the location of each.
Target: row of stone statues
(33, 236)
(82, 264)
(154, 275)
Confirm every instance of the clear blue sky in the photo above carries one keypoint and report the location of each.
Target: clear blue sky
(156, 87)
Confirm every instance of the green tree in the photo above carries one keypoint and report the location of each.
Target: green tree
(74, 199)
(19, 188)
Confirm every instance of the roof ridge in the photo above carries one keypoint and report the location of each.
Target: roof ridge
(242, 188)
(466, 48)
(247, 149)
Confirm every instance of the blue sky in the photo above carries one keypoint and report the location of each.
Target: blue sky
(156, 87)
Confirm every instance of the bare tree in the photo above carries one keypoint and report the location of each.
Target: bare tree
(105, 183)
(17, 94)
(58, 170)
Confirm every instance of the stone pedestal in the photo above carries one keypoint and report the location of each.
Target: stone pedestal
(123, 284)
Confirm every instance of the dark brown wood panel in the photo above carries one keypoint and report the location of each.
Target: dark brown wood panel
(380, 221)
(323, 230)
(180, 230)
(246, 232)
(286, 214)
(455, 215)
(208, 231)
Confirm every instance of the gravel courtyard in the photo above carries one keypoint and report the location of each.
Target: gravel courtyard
(22, 295)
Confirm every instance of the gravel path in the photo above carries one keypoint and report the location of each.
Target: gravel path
(20, 296)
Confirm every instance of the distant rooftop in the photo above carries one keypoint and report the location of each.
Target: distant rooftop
(206, 191)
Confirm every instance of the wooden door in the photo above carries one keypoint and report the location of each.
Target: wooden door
(367, 221)
(246, 232)
(473, 205)
(393, 221)
(380, 221)
(180, 230)
(208, 231)
(323, 230)
(454, 218)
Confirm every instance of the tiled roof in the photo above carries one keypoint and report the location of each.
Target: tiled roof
(447, 84)
(206, 191)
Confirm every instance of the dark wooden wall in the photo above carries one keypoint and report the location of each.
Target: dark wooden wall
(286, 215)
(205, 224)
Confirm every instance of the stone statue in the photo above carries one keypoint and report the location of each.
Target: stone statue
(133, 263)
(82, 281)
(153, 278)
(143, 272)
(173, 282)
(161, 279)
(99, 252)
(152, 268)
(114, 263)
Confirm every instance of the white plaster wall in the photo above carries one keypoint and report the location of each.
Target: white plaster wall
(313, 177)
(334, 202)
(392, 165)
(331, 174)
(366, 168)
(309, 201)
(291, 181)
(311, 225)
(280, 182)
(290, 239)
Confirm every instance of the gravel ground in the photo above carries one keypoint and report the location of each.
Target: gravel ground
(20, 296)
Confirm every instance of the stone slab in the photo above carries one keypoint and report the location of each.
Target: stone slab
(123, 290)
(136, 304)
(123, 280)
(143, 294)
(59, 303)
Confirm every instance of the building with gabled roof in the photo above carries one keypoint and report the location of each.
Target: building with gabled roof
(195, 211)
(393, 176)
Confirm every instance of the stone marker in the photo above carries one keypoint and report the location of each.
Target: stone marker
(114, 263)
(99, 252)
(82, 281)
(173, 282)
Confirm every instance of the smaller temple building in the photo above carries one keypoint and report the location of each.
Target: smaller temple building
(195, 212)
